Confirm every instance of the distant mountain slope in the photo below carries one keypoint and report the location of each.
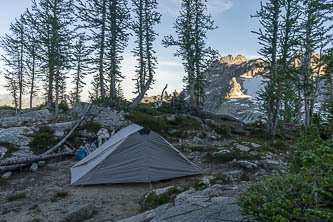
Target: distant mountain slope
(7, 100)
(233, 86)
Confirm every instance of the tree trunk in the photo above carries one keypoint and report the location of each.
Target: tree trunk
(57, 99)
(101, 53)
(24, 162)
(138, 99)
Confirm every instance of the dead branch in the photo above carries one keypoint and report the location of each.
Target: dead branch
(162, 94)
(68, 134)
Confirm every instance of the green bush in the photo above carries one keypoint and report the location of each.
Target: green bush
(92, 127)
(16, 196)
(43, 140)
(64, 106)
(153, 200)
(303, 194)
(156, 124)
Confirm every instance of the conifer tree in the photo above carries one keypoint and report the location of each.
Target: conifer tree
(191, 28)
(268, 36)
(54, 20)
(80, 62)
(118, 22)
(14, 48)
(313, 38)
(146, 17)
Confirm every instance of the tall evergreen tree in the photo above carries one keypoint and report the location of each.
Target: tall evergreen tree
(32, 56)
(93, 14)
(54, 20)
(313, 38)
(118, 22)
(146, 17)
(191, 29)
(14, 48)
(268, 36)
(80, 62)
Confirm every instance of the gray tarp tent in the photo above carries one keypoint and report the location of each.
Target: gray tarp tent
(133, 155)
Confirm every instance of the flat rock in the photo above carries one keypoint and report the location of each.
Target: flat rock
(246, 164)
(18, 136)
(77, 212)
(243, 148)
(195, 206)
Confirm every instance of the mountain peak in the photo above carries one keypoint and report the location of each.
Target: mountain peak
(230, 60)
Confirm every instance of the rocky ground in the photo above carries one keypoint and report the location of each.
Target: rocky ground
(219, 144)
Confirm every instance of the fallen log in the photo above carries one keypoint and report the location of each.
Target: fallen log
(46, 155)
(15, 164)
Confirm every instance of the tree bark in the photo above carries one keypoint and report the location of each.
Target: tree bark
(138, 99)
(23, 162)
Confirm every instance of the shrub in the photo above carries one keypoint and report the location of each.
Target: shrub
(42, 140)
(64, 106)
(303, 194)
(153, 200)
(16, 196)
(92, 127)
(59, 195)
(154, 123)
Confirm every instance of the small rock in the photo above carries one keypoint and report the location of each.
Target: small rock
(3, 152)
(6, 175)
(206, 180)
(235, 173)
(171, 119)
(254, 153)
(41, 163)
(173, 131)
(34, 167)
(197, 140)
(78, 212)
(242, 148)
(254, 145)
(159, 191)
(246, 164)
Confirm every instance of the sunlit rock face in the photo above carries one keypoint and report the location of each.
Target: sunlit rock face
(233, 86)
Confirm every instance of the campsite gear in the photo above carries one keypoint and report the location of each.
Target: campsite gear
(85, 151)
(133, 155)
(79, 155)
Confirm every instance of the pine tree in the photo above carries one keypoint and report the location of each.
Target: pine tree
(288, 51)
(118, 22)
(268, 36)
(93, 14)
(54, 20)
(80, 62)
(32, 63)
(146, 17)
(191, 28)
(14, 48)
(313, 38)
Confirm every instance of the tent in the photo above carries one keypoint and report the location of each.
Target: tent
(133, 155)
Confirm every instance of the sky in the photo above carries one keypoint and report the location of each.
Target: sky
(232, 37)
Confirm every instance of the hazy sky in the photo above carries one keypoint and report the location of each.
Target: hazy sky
(232, 37)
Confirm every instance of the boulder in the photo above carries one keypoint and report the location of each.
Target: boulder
(60, 128)
(195, 206)
(194, 118)
(18, 136)
(77, 212)
(197, 140)
(246, 164)
(28, 118)
(242, 148)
